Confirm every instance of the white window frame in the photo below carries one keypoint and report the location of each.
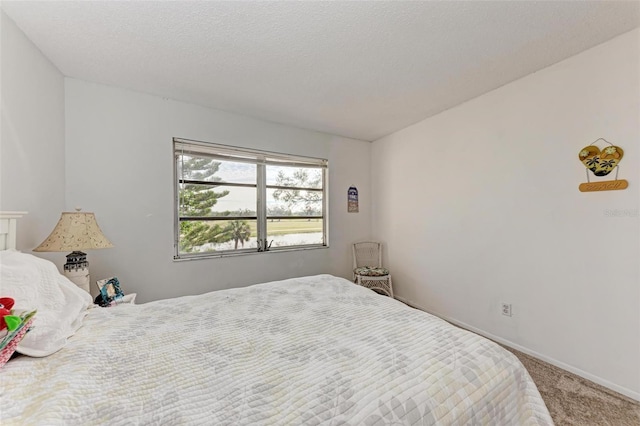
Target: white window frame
(261, 159)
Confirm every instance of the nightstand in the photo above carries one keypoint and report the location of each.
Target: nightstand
(127, 299)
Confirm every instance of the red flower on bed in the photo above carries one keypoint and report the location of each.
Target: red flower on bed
(6, 303)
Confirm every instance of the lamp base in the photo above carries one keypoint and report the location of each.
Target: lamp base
(79, 277)
(77, 270)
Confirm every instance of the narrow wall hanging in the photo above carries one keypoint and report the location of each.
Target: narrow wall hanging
(352, 200)
(601, 163)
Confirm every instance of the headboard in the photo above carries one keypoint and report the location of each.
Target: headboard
(8, 222)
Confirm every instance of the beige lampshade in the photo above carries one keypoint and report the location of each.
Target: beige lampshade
(75, 231)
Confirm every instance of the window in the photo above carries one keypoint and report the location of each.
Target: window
(234, 200)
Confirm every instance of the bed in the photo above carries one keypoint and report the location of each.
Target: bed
(309, 350)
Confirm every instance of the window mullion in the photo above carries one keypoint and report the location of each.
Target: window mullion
(261, 209)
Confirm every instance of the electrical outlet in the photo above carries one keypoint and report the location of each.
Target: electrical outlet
(506, 309)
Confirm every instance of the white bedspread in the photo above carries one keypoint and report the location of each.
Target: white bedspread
(314, 350)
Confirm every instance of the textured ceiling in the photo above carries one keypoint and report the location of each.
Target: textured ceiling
(357, 69)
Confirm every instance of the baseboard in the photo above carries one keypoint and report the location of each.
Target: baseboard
(599, 380)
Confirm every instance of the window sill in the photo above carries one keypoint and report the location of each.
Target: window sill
(245, 253)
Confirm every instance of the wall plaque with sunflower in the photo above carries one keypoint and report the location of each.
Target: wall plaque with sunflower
(601, 163)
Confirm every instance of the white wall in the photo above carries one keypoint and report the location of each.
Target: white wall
(480, 205)
(119, 164)
(32, 137)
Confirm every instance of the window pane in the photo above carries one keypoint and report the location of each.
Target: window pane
(301, 177)
(210, 170)
(237, 172)
(290, 202)
(294, 232)
(239, 201)
(217, 235)
(198, 168)
(203, 200)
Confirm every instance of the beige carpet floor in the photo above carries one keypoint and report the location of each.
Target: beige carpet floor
(572, 400)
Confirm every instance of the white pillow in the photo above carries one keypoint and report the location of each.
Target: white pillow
(35, 283)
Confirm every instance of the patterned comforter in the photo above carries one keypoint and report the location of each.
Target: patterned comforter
(313, 350)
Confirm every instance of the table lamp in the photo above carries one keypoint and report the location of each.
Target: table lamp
(74, 232)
